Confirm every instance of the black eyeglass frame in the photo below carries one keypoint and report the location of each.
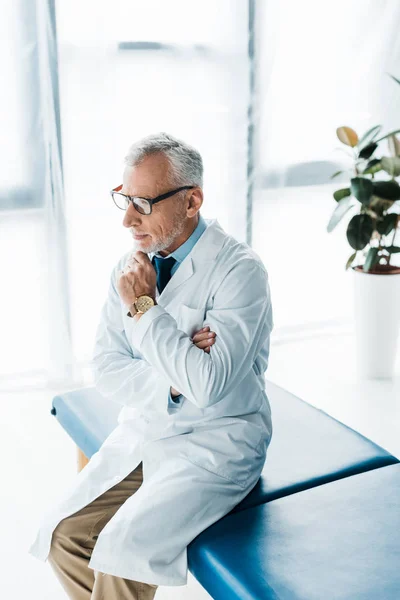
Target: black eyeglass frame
(151, 201)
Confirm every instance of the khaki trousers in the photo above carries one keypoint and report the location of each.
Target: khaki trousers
(74, 539)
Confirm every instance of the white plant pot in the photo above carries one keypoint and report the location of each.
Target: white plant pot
(377, 322)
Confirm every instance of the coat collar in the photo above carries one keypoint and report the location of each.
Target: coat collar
(204, 251)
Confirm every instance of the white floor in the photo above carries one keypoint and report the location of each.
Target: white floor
(38, 458)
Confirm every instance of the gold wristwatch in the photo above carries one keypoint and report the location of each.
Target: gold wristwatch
(141, 305)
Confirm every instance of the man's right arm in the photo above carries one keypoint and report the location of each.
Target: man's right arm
(118, 375)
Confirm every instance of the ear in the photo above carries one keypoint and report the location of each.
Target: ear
(195, 201)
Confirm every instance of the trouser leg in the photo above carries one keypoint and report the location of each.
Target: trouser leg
(69, 559)
(73, 542)
(108, 587)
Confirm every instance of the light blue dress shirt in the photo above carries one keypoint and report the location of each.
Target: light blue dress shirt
(179, 254)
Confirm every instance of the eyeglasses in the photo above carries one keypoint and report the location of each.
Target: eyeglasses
(142, 205)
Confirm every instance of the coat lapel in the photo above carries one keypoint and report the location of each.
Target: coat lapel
(204, 251)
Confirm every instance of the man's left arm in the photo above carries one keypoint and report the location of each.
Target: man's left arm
(242, 320)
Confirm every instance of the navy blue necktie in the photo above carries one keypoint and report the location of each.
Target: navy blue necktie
(163, 267)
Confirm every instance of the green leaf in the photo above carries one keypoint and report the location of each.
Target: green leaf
(341, 209)
(336, 174)
(359, 231)
(350, 260)
(388, 224)
(388, 190)
(395, 78)
(342, 193)
(368, 151)
(394, 145)
(392, 249)
(371, 259)
(387, 135)
(391, 164)
(369, 136)
(373, 167)
(362, 189)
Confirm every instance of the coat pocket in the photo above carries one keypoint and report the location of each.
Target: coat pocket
(190, 319)
(234, 451)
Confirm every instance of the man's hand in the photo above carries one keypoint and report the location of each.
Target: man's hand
(202, 339)
(136, 278)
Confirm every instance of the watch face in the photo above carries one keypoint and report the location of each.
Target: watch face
(143, 303)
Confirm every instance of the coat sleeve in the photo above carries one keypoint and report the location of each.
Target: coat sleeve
(241, 317)
(118, 375)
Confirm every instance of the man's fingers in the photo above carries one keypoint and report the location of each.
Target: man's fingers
(128, 267)
(204, 344)
(207, 335)
(139, 256)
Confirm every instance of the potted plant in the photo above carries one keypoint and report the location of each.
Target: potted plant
(373, 194)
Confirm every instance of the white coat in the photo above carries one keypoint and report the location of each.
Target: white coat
(202, 457)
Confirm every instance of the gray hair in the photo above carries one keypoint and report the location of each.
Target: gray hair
(185, 161)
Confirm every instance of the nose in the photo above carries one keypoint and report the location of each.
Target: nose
(131, 217)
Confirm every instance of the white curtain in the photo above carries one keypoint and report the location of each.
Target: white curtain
(34, 311)
(320, 65)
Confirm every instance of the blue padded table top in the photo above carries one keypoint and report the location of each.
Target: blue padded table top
(308, 447)
(86, 416)
(339, 541)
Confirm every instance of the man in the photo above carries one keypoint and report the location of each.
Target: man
(182, 345)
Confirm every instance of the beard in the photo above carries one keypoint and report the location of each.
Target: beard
(176, 229)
